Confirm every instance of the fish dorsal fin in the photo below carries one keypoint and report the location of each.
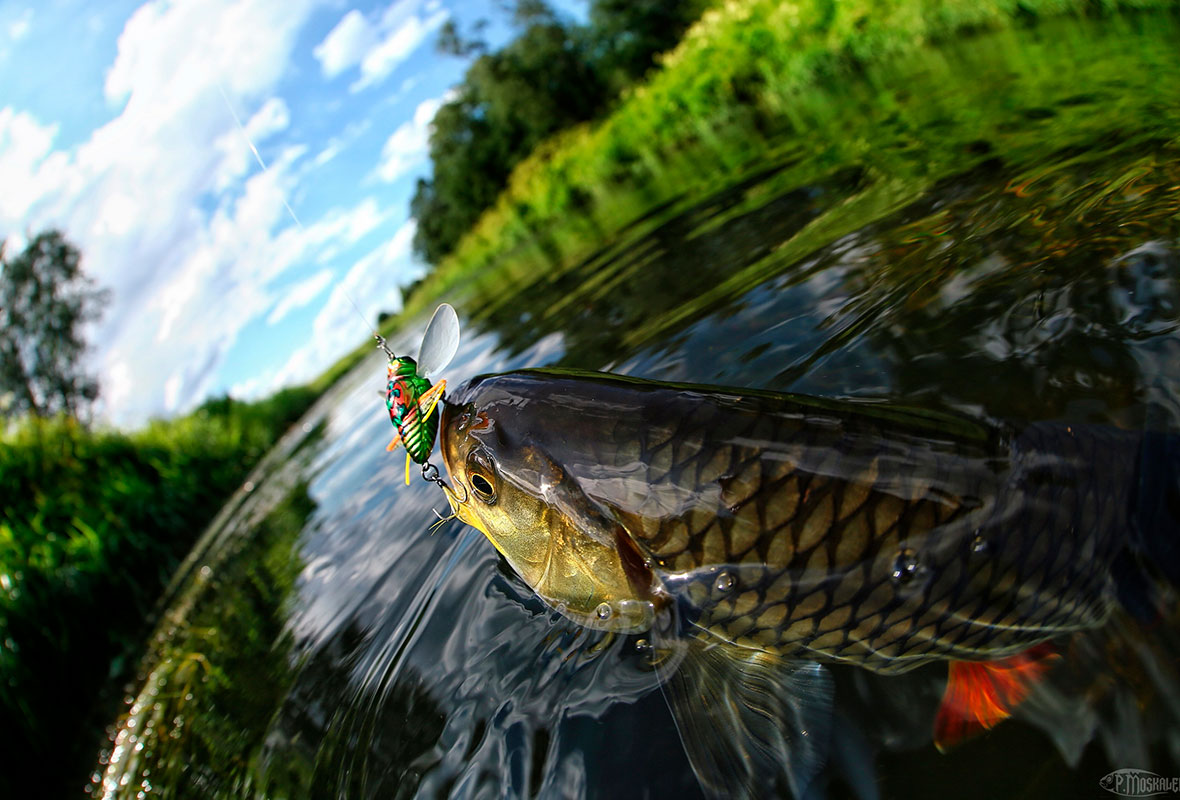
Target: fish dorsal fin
(981, 694)
(753, 724)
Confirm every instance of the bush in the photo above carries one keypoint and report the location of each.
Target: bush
(92, 525)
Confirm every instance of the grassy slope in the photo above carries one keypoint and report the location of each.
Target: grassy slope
(92, 525)
(745, 62)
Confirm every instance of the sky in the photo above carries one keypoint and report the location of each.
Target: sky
(140, 129)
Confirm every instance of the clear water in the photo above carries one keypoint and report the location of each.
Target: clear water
(997, 233)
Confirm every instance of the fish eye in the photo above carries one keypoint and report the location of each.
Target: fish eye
(481, 472)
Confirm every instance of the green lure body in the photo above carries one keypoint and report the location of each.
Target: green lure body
(404, 399)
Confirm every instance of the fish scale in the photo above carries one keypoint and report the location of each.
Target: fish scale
(811, 512)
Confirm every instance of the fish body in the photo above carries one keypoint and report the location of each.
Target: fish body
(820, 530)
(784, 532)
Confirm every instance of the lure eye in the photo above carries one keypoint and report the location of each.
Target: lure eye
(481, 472)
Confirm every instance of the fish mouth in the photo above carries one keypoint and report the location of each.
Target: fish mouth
(544, 573)
(463, 511)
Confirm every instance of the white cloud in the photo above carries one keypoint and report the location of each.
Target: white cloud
(190, 256)
(407, 146)
(172, 388)
(336, 144)
(171, 52)
(29, 170)
(357, 221)
(19, 28)
(329, 152)
(346, 44)
(396, 47)
(256, 386)
(370, 287)
(117, 385)
(377, 46)
(300, 295)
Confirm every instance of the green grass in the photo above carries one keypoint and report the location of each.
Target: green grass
(218, 668)
(92, 526)
(733, 94)
(751, 84)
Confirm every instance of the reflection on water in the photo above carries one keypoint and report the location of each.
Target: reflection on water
(992, 229)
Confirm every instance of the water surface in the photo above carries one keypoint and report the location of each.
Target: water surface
(991, 228)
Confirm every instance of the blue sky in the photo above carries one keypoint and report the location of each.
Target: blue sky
(117, 125)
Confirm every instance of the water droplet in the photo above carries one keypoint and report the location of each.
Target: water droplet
(724, 582)
(642, 645)
(603, 611)
(905, 565)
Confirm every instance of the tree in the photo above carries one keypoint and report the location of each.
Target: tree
(510, 100)
(45, 299)
(555, 73)
(629, 34)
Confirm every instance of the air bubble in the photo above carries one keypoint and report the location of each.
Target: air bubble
(905, 566)
(603, 611)
(724, 582)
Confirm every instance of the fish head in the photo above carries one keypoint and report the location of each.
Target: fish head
(562, 545)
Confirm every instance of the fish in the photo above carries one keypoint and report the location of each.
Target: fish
(757, 538)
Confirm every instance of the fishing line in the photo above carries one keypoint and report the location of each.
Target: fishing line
(258, 156)
(381, 343)
(430, 473)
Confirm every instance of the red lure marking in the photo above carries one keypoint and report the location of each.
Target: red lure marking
(981, 694)
(401, 409)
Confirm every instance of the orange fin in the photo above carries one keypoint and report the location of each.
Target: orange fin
(981, 694)
(397, 439)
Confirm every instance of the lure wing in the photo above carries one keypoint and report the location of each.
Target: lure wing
(440, 341)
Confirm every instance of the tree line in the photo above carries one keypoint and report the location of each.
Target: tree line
(556, 73)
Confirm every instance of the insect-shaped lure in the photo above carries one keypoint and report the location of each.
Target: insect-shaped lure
(409, 396)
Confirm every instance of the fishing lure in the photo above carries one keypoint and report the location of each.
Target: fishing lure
(409, 396)
(411, 399)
